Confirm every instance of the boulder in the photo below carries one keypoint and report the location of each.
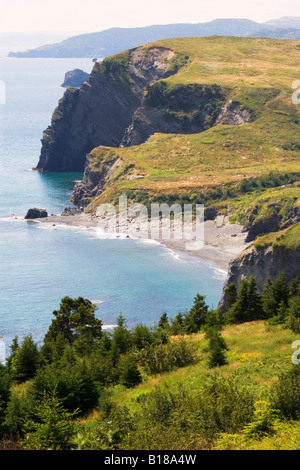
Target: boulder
(75, 78)
(71, 211)
(36, 213)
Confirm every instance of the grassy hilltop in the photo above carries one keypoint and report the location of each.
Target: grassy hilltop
(255, 74)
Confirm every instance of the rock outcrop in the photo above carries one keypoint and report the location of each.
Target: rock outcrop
(36, 213)
(124, 102)
(94, 180)
(232, 115)
(102, 109)
(75, 78)
(262, 262)
(184, 109)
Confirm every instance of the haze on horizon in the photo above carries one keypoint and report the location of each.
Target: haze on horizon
(88, 16)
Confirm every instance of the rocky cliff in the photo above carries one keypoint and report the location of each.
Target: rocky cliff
(102, 109)
(124, 102)
(266, 260)
(75, 78)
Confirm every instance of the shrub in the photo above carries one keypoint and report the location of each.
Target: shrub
(72, 382)
(263, 423)
(217, 348)
(285, 394)
(197, 315)
(24, 362)
(52, 428)
(293, 314)
(129, 374)
(165, 357)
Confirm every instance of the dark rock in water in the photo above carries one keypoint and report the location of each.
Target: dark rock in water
(36, 213)
(71, 211)
(75, 78)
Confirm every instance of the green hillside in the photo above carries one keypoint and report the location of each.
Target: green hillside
(256, 75)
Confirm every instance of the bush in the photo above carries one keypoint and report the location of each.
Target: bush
(52, 428)
(263, 423)
(129, 374)
(165, 357)
(223, 406)
(248, 305)
(72, 382)
(285, 394)
(293, 314)
(217, 348)
(197, 315)
(24, 362)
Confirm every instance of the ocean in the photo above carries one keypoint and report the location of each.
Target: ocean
(41, 263)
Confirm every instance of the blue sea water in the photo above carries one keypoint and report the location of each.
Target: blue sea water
(40, 263)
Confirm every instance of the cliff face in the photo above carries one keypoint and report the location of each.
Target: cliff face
(262, 262)
(75, 78)
(182, 109)
(101, 111)
(123, 103)
(95, 178)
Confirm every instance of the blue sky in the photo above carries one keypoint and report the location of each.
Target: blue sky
(96, 15)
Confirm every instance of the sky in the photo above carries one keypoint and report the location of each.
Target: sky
(84, 16)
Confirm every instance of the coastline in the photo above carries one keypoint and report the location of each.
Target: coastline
(222, 241)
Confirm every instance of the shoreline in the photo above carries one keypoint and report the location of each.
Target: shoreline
(222, 241)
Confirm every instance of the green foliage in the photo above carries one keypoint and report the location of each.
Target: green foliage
(217, 348)
(248, 306)
(72, 381)
(52, 428)
(293, 314)
(4, 391)
(285, 394)
(75, 321)
(273, 179)
(230, 296)
(130, 375)
(24, 360)
(197, 315)
(263, 423)
(275, 296)
(122, 336)
(165, 357)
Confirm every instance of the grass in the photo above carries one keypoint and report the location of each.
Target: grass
(258, 353)
(257, 73)
(287, 240)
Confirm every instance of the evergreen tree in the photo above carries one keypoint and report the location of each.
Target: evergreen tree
(129, 373)
(275, 292)
(24, 363)
(4, 391)
(177, 326)
(254, 309)
(248, 306)
(163, 322)
(141, 336)
(75, 321)
(197, 315)
(237, 312)
(293, 314)
(217, 348)
(52, 428)
(230, 296)
(122, 336)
